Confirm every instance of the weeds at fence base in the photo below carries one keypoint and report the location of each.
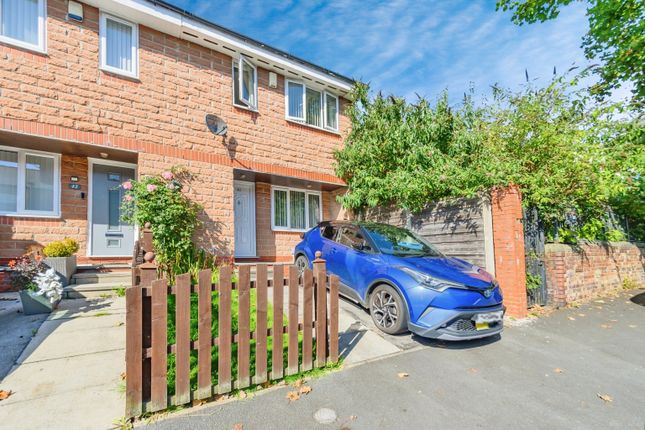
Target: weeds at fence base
(249, 392)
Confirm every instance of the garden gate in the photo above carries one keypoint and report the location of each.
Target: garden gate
(536, 290)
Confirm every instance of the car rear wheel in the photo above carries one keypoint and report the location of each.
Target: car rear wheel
(301, 263)
(388, 310)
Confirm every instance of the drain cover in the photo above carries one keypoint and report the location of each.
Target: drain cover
(325, 416)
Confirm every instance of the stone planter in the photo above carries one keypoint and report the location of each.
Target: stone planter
(65, 267)
(36, 304)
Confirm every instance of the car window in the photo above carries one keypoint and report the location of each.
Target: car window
(399, 241)
(329, 231)
(352, 238)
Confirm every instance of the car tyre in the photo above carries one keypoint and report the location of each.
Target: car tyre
(388, 310)
(302, 262)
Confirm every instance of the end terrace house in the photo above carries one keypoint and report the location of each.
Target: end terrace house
(93, 93)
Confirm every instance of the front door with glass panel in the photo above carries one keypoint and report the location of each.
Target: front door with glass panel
(110, 235)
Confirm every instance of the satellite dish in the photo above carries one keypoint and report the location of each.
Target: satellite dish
(216, 125)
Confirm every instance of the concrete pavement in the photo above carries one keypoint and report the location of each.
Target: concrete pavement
(16, 330)
(548, 374)
(68, 376)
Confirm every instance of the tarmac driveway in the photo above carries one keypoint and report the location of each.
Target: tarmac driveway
(576, 368)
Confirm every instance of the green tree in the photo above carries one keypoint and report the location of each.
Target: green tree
(616, 38)
(570, 156)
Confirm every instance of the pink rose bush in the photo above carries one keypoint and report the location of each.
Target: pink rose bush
(127, 185)
(168, 176)
(151, 187)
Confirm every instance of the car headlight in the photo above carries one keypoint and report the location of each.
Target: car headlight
(430, 282)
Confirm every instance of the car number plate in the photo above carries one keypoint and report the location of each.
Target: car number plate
(488, 317)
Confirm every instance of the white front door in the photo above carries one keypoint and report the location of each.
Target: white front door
(244, 212)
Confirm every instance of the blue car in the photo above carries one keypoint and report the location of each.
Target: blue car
(406, 283)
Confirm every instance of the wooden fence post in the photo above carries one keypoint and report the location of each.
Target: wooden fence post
(320, 278)
(138, 325)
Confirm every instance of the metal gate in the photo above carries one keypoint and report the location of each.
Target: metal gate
(534, 257)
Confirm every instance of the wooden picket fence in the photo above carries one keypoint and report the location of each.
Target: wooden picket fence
(147, 347)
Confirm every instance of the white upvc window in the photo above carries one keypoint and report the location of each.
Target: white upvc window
(295, 209)
(311, 106)
(245, 84)
(23, 23)
(29, 182)
(119, 46)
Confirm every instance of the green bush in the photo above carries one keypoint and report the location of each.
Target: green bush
(61, 248)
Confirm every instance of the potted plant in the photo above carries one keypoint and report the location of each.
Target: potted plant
(60, 256)
(40, 288)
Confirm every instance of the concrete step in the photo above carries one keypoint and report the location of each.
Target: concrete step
(101, 277)
(104, 289)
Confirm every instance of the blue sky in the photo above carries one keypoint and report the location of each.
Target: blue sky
(408, 47)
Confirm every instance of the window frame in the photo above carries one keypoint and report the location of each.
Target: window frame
(41, 47)
(21, 211)
(288, 191)
(323, 106)
(103, 17)
(240, 80)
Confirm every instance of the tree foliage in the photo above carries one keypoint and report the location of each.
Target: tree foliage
(569, 156)
(616, 38)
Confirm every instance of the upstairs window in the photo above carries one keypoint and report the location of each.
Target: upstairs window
(295, 209)
(119, 46)
(22, 23)
(245, 84)
(310, 106)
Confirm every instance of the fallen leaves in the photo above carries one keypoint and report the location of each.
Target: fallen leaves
(122, 376)
(558, 370)
(472, 370)
(403, 375)
(571, 318)
(292, 396)
(4, 395)
(242, 394)
(238, 427)
(605, 397)
(605, 326)
(305, 389)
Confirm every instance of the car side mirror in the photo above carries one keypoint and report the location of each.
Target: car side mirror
(361, 247)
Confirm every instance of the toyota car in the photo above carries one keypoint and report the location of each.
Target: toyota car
(406, 283)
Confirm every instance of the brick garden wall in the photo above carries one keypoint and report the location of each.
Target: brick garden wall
(590, 269)
(508, 242)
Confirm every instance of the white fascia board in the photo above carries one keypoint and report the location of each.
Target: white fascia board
(174, 24)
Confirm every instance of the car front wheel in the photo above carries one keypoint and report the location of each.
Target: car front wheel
(388, 310)
(301, 263)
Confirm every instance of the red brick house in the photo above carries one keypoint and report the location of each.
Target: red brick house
(95, 92)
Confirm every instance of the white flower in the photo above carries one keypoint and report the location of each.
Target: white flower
(49, 285)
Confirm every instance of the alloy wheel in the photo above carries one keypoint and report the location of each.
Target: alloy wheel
(385, 309)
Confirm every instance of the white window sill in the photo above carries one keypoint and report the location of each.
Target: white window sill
(250, 109)
(289, 230)
(119, 72)
(23, 45)
(30, 215)
(328, 130)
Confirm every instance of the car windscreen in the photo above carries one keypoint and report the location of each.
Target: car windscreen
(399, 241)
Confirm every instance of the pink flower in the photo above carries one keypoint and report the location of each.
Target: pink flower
(167, 176)
(151, 187)
(128, 198)
(127, 185)
(171, 186)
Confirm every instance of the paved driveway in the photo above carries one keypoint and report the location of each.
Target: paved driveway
(547, 374)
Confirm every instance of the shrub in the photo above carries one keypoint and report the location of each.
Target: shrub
(62, 248)
(160, 201)
(24, 270)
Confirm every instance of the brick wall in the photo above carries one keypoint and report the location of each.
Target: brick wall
(508, 241)
(590, 269)
(64, 95)
(163, 111)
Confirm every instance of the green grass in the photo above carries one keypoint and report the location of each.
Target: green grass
(214, 333)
